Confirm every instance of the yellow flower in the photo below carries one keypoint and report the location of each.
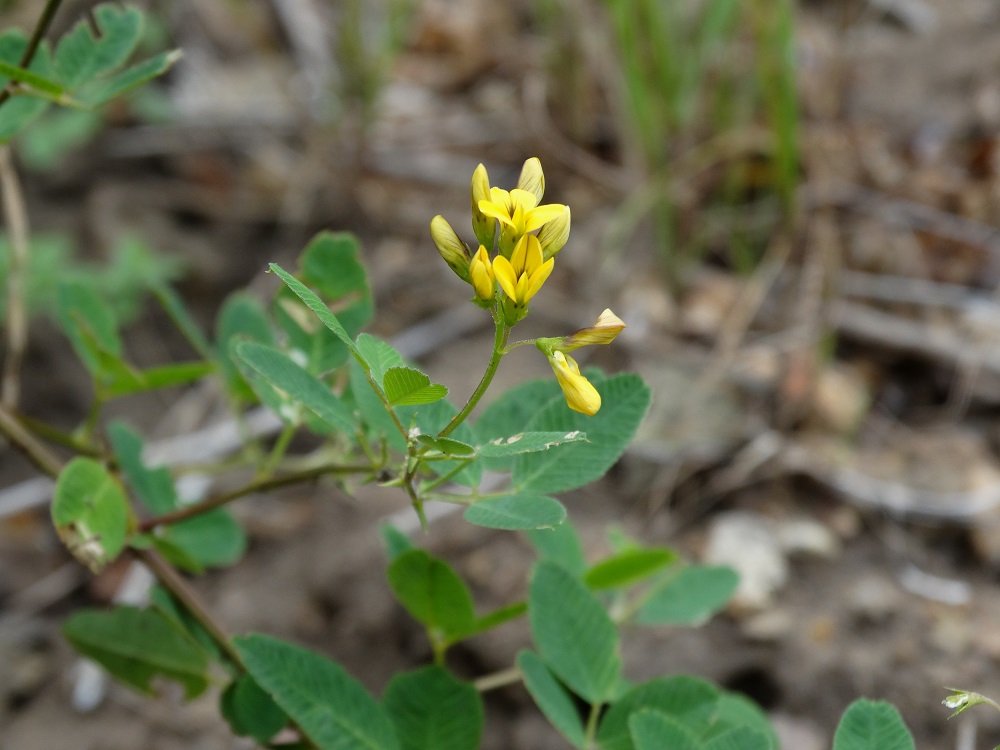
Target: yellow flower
(523, 275)
(532, 178)
(604, 331)
(481, 275)
(484, 226)
(554, 234)
(580, 393)
(451, 248)
(518, 213)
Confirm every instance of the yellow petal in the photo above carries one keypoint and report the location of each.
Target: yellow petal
(505, 276)
(532, 178)
(541, 215)
(537, 278)
(480, 186)
(518, 259)
(502, 198)
(496, 211)
(484, 226)
(554, 234)
(481, 275)
(604, 331)
(523, 198)
(532, 254)
(580, 393)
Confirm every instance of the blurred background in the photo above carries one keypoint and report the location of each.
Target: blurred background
(794, 207)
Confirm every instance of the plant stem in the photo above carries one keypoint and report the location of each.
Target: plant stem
(595, 714)
(497, 679)
(44, 20)
(280, 446)
(36, 451)
(54, 435)
(171, 580)
(499, 343)
(16, 219)
(257, 485)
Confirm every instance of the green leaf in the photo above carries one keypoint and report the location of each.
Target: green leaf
(688, 701)
(516, 512)
(82, 311)
(210, 539)
(432, 592)
(328, 705)
(250, 711)
(101, 91)
(121, 380)
(134, 645)
(331, 266)
(529, 442)
(498, 617)
(573, 633)
(19, 111)
(282, 373)
(214, 538)
(90, 512)
(692, 596)
(155, 487)
(626, 399)
(736, 710)
(379, 355)
(872, 725)
(79, 57)
(739, 738)
(41, 83)
(560, 545)
(395, 541)
(628, 567)
(447, 446)
(174, 306)
(551, 698)
(432, 710)
(164, 603)
(510, 414)
(406, 386)
(652, 730)
(317, 305)
(240, 318)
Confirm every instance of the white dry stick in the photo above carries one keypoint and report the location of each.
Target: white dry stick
(16, 220)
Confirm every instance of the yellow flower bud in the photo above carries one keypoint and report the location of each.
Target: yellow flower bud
(481, 275)
(604, 331)
(580, 393)
(484, 226)
(451, 248)
(532, 178)
(523, 275)
(554, 234)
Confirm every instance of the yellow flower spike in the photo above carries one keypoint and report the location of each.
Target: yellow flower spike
(481, 275)
(580, 393)
(518, 213)
(523, 275)
(603, 332)
(554, 235)
(451, 248)
(484, 226)
(532, 178)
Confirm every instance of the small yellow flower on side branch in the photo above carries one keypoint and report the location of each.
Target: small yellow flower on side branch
(451, 248)
(604, 331)
(523, 275)
(580, 393)
(481, 276)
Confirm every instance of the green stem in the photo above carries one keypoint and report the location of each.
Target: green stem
(36, 451)
(54, 435)
(591, 733)
(497, 679)
(499, 343)
(257, 485)
(445, 477)
(280, 446)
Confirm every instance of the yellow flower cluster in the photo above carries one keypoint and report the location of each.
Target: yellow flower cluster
(519, 238)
